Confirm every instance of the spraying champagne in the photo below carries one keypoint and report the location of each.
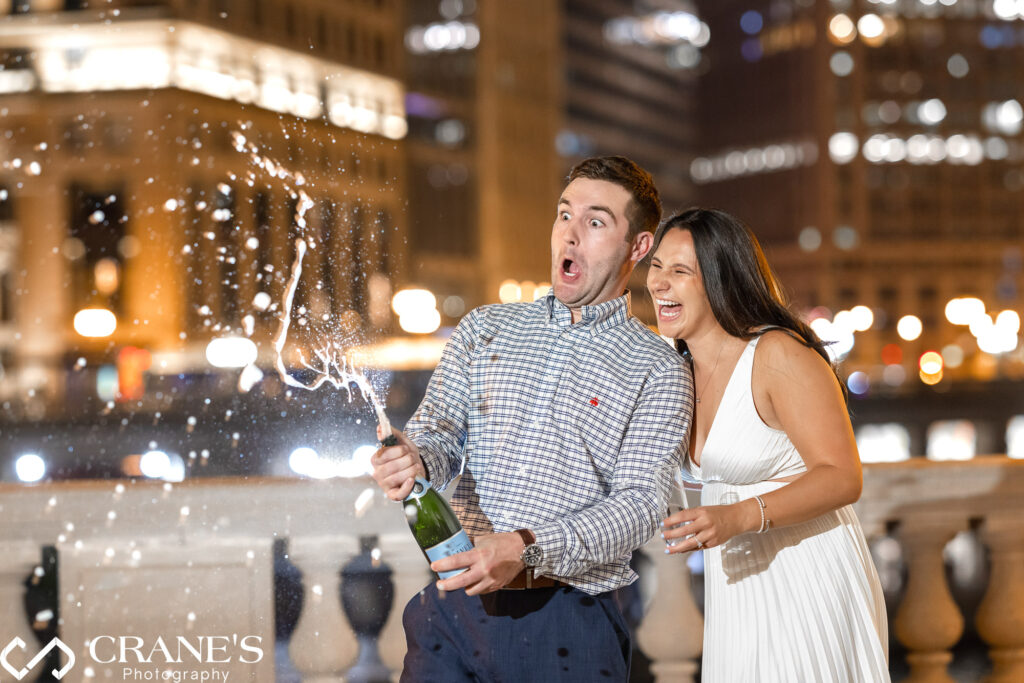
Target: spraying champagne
(433, 522)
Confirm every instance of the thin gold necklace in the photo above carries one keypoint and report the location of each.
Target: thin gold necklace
(712, 373)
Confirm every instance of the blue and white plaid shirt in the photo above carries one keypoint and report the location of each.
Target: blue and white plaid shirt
(572, 431)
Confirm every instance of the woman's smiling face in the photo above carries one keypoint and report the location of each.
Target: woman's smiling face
(675, 283)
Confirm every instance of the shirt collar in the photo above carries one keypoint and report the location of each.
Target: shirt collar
(598, 317)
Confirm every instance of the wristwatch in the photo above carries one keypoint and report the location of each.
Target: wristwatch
(532, 554)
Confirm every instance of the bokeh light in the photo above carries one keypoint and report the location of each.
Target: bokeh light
(1015, 437)
(417, 310)
(862, 318)
(951, 440)
(420, 321)
(964, 310)
(231, 352)
(842, 29)
(887, 442)
(892, 354)
(841, 63)
(952, 356)
(29, 468)
(894, 375)
(154, 464)
(930, 363)
(95, 322)
(409, 300)
(909, 327)
(842, 147)
(509, 291)
(858, 382)
(871, 27)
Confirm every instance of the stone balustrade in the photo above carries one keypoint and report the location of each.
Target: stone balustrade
(195, 560)
(925, 504)
(151, 560)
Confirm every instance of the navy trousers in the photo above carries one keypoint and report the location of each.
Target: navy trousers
(542, 634)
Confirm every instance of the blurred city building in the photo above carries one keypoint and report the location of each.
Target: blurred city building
(875, 148)
(630, 87)
(161, 158)
(159, 161)
(630, 79)
(484, 106)
(496, 123)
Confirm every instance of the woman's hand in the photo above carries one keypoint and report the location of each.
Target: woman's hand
(709, 526)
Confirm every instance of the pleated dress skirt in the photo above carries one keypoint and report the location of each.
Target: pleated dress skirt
(796, 604)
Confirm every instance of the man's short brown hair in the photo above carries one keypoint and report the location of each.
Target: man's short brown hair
(644, 208)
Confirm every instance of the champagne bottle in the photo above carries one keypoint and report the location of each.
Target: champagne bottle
(434, 525)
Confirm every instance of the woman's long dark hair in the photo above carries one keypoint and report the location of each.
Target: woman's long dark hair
(744, 295)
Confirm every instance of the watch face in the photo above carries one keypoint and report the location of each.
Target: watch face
(532, 555)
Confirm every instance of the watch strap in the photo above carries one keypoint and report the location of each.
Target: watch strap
(529, 538)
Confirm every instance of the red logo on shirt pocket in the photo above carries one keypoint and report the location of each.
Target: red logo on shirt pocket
(593, 401)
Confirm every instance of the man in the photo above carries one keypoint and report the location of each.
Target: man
(570, 418)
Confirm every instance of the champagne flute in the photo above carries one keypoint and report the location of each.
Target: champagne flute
(683, 495)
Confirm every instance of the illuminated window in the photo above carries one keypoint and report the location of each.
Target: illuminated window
(381, 226)
(192, 259)
(264, 226)
(327, 226)
(226, 252)
(117, 135)
(1015, 437)
(6, 205)
(6, 296)
(888, 442)
(76, 136)
(952, 440)
(98, 222)
(357, 220)
(8, 256)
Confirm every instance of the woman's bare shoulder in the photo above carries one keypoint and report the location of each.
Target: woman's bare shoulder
(780, 351)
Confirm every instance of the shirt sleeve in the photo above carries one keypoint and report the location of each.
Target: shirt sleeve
(653, 449)
(439, 425)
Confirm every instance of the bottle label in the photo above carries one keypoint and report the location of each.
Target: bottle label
(458, 543)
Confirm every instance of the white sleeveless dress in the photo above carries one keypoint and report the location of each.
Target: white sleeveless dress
(796, 604)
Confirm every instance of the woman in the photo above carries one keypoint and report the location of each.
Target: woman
(791, 592)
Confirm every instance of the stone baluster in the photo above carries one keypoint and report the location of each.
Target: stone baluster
(1000, 617)
(410, 573)
(928, 621)
(17, 560)
(323, 645)
(672, 631)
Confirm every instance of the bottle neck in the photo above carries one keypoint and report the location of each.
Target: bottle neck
(420, 488)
